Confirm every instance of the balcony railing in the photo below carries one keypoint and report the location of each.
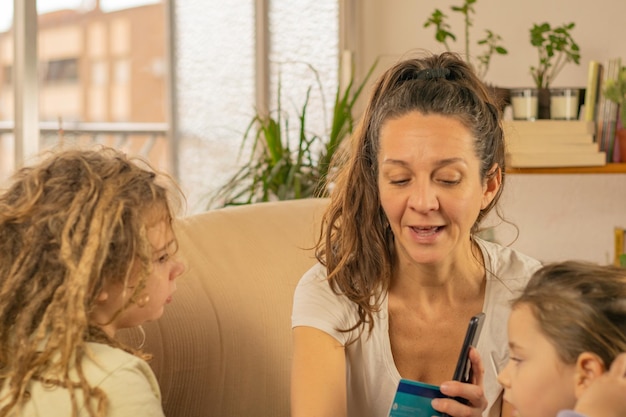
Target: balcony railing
(148, 140)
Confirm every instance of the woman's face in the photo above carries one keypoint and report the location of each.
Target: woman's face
(430, 186)
(536, 381)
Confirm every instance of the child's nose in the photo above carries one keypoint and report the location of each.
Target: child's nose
(178, 270)
(503, 376)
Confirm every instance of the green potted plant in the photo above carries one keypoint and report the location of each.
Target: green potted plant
(555, 48)
(491, 43)
(278, 169)
(615, 90)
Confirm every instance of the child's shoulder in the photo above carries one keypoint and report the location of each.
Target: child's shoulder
(103, 360)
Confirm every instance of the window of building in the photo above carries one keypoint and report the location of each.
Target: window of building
(7, 74)
(61, 70)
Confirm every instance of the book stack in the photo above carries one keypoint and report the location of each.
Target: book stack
(551, 143)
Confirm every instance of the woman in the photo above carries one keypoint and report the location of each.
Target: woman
(401, 268)
(87, 248)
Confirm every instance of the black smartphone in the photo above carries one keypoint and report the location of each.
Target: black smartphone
(463, 370)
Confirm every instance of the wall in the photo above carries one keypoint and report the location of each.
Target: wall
(565, 216)
(390, 28)
(558, 216)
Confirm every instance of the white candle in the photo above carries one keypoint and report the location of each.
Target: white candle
(525, 103)
(564, 103)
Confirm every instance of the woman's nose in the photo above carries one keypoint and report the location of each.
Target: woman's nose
(423, 197)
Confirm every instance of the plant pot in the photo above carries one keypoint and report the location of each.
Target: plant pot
(543, 96)
(620, 138)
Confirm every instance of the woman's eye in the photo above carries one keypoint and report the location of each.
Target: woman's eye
(399, 181)
(449, 180)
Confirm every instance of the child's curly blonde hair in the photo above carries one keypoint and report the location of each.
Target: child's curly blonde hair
(68, 226)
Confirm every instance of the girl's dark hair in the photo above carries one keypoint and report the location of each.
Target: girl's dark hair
(580, 307)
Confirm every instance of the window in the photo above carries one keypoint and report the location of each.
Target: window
(7, 74)
(107, 65)
(61, 70)
(215, 78)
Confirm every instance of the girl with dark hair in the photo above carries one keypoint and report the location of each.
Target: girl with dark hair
(565, 331)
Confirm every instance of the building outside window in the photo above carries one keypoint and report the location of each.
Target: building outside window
(102, 63)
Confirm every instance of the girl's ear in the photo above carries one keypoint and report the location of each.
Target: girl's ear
(102, 296)
(589, 366)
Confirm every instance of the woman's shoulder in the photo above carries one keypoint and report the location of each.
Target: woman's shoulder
(314, 275)
(314, 285)
(316, 304)
(507, 263)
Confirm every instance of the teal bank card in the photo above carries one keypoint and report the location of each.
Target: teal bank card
(413, 400)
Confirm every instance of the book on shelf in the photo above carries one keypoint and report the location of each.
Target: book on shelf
(554, 159)
(552, 143)
(545, 136)
(594, 74)
(606, 116)
(515, 139)
(546, 144)
(620, 250)
(549, 127)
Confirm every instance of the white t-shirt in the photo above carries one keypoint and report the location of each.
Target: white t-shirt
(128, 381)
(372, 376)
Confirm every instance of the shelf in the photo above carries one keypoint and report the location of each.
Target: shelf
(605, 169)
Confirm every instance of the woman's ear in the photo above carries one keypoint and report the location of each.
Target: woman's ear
(589, 366)
(493, 181)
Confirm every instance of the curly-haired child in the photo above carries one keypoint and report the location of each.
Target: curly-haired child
(86, 248)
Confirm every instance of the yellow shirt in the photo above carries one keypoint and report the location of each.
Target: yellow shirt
(128, 381)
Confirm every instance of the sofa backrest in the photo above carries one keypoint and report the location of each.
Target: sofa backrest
(223, 346)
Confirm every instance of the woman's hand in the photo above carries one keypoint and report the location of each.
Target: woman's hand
(473, 393)
(606, 396)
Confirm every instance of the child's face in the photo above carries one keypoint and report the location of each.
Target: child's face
(536, 382)
(160, 284)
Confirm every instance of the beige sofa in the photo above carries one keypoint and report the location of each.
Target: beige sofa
(223, 347)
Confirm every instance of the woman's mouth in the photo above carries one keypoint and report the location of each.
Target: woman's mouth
(426, 231)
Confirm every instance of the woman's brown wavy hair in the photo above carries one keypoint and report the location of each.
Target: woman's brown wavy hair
(68, 225)
(356, 243)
